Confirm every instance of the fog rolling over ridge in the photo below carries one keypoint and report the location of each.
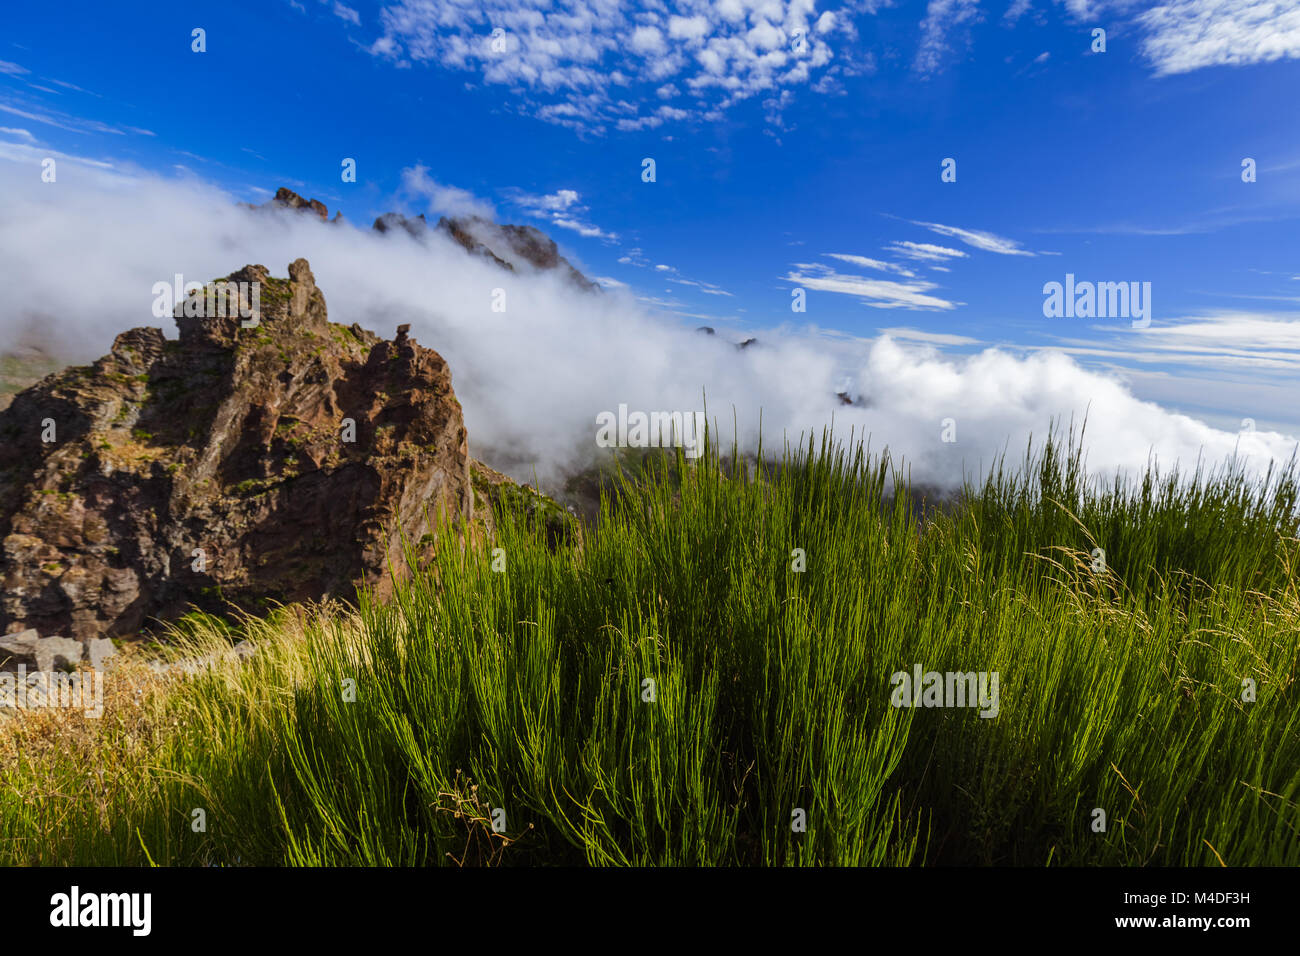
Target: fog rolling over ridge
(81, 258)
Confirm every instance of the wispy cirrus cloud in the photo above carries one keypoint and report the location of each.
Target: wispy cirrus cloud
(21, 146)
(978, 239)
(75, 88)
(924, 251)
(877, 293)
(866, 262)
(346, 14)
(671, 274)
(16, 106)
(1261, 341)
(938, 339)
(943, 19)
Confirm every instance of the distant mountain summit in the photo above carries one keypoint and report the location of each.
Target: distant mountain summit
(287, 198)
(511, 246)
(516, 248)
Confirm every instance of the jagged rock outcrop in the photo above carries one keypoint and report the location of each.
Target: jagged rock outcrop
(510, 245)
(415, 228)
(287, 198)
(506, 246)
(236, 465)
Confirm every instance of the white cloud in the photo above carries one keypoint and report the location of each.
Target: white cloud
(347, 13)
(443, 199)
(648, 40)
(573, 61)
(942, 17)
(688, 28)
(877, 293)
(763, 36)
(977, 239)
(925, 251)
(1017, 10)
(1261, 342)
(867, 263)
(557, 201)
(561, 208)
(707, 288)
(65, 121)
(33, 152)
(670, 273)
(1186, 35)
(586, 229)
(929, 338)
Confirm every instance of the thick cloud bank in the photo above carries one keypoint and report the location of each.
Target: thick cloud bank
(81, 257)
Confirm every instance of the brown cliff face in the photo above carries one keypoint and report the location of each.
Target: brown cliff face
(217, 469)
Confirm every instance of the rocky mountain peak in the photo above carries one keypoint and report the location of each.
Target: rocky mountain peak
(508, 246)
(512, 246)
(287, 198)
(236, 465)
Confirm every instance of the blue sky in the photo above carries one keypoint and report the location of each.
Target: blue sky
(777, 168)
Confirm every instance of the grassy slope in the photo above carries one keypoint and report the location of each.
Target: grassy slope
(523, 690)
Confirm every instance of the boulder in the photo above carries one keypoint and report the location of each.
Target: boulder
(39, 653)
(98, 651)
